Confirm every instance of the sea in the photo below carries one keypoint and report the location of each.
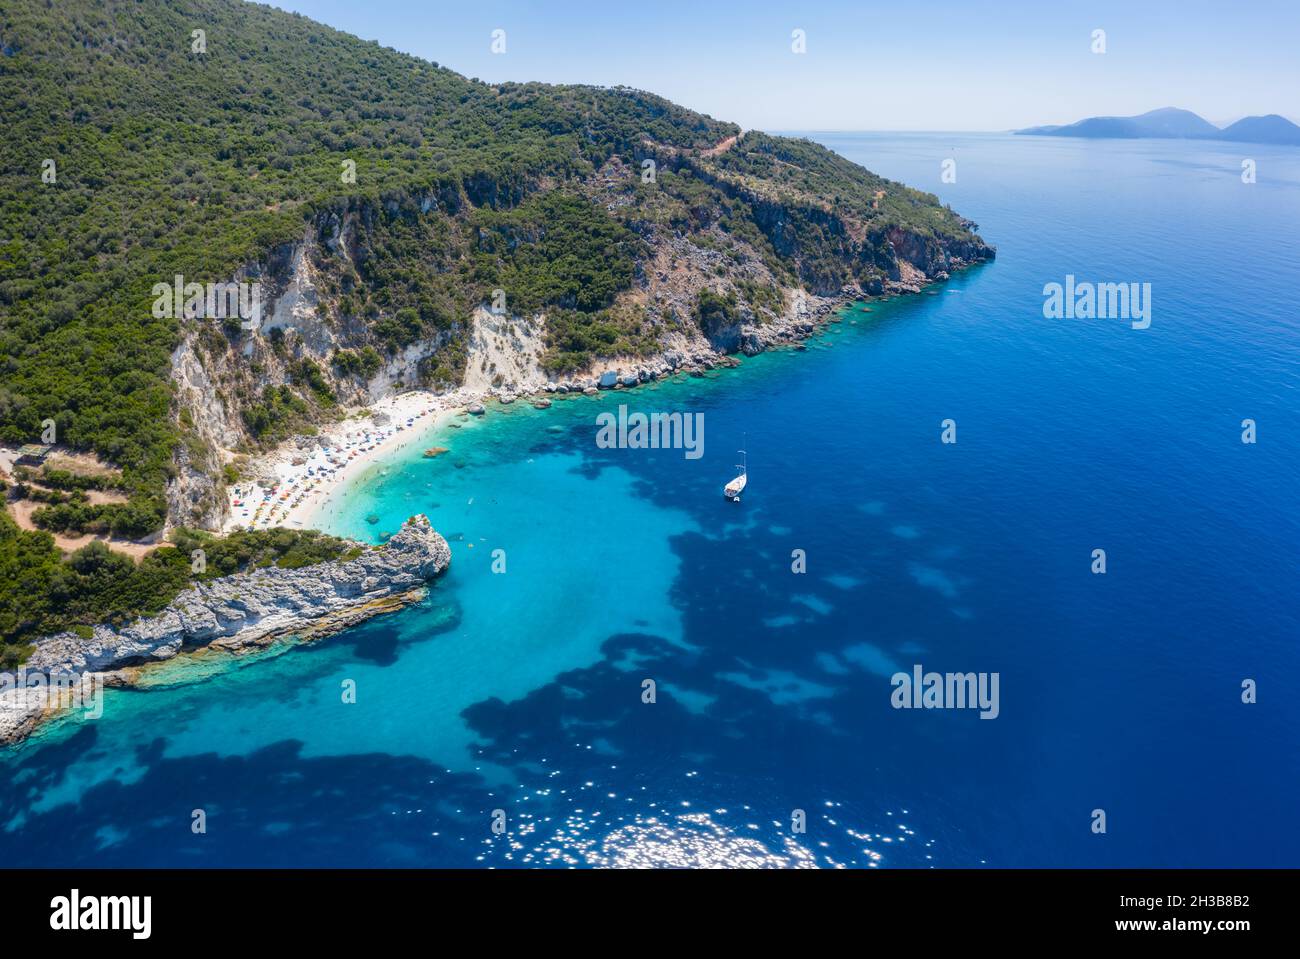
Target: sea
(623, 668)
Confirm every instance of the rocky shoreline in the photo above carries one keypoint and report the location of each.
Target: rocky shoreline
(687, 352)
(699, 353)
(239, 612)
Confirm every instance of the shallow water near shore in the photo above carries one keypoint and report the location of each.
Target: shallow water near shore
(522, 690)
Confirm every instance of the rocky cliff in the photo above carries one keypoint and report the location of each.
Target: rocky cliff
(783, 257)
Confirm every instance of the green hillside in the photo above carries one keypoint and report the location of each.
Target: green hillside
(168, 161)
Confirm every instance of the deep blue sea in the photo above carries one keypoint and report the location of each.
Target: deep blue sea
(522, 690)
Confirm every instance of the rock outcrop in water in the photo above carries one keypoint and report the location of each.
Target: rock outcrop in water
(236, 612)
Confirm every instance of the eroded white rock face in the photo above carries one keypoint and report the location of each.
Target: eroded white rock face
(402, 367)
(298, 304)
(239, 610)
(505, 353)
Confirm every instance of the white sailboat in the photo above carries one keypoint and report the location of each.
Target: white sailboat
(733, 489)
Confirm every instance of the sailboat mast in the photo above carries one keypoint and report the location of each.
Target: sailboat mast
(733, 489)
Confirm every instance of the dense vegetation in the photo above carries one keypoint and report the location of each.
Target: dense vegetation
(169, 161)
(776, 166)
(715, 311)
(44, 595)
(128, 157)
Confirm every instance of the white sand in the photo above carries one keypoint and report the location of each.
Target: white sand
(302, 490)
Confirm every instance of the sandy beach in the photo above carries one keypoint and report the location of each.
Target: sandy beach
(291, 485)
(303, 481)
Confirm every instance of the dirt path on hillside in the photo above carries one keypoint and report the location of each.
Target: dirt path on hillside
(21, 511)
(722, 146)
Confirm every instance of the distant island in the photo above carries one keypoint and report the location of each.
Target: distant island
(1171, 123)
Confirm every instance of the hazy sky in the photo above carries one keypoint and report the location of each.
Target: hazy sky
(902, 65)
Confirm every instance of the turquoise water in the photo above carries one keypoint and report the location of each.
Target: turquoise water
(522, 690)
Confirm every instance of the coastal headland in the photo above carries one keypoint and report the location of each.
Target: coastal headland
(240, 612)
